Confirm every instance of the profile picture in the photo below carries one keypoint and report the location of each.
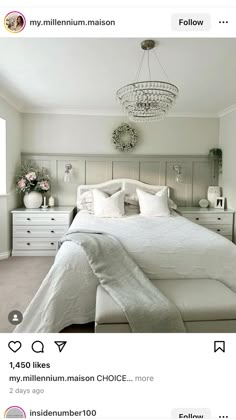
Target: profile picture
(14, 412)
(14, 22)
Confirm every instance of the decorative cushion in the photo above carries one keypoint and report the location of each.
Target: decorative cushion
(85, 201)
(132, 199)
(153, 205)
(108, 206)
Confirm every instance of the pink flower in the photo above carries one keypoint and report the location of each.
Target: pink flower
(31, 176)
(44, 185)
(21, 183)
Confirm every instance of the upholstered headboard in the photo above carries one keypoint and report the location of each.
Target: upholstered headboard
(110, 187)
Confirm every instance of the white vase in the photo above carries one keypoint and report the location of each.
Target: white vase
(212, 194)
(33, 200)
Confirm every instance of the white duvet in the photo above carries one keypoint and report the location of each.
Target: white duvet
(163, 247)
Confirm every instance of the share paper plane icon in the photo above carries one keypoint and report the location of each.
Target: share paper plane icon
(60, 345)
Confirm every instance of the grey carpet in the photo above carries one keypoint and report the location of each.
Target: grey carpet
(20, 278)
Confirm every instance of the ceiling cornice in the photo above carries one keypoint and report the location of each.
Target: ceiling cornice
(108, 113)
(10, 102)
(227, 111)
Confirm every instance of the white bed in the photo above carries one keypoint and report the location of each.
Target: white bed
(165, 248)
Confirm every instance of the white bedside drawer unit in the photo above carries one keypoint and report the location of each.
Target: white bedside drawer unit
(34, 244)
(41, 219)
(207, 219)
(219, 221)
(36, 232)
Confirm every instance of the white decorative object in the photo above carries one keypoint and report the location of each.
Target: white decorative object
(154, 204)
(33, 200)
(148, 100)
(44, 206)
(51, 201)
(108, 206)
(213, 193)
(124, 138)
(204, 203)
(220, 203)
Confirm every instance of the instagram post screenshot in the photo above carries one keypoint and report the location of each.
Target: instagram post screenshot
(117, 211)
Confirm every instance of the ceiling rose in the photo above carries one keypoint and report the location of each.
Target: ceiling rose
(148, 100)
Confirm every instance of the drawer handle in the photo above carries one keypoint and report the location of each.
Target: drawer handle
(219, 218)
(218, 230)
(28, 243)
(28, 231)
(197, 218)
(52, 218)
(52, 231)
(28, 218)
(52, 243)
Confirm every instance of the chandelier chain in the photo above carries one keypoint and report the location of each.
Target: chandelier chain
(149, 69)
(140, 67)
(157, 58)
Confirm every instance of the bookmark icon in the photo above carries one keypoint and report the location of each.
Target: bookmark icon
(219, 345)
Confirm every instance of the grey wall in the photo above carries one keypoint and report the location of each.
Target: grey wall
(47, 133)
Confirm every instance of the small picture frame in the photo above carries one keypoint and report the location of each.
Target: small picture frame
(220, 203)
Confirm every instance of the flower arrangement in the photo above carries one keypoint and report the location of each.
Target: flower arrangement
(32, 179)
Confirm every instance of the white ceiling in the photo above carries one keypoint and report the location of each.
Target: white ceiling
(83, 75)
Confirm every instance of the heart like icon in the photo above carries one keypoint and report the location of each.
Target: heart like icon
(14, 346)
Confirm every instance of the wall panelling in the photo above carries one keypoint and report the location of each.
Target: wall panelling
(91, 169)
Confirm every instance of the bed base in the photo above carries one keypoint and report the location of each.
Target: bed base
(206, 306)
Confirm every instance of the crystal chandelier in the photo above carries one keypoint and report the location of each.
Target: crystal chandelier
(148, 100)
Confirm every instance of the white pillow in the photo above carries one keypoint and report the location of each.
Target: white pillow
(108, 206)
(86, 201)
(154, 205)
(132, 199)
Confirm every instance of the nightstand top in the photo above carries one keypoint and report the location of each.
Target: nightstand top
(56, 209)
(203, 210)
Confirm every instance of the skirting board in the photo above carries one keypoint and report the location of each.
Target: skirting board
(5, 255)
(37, 253)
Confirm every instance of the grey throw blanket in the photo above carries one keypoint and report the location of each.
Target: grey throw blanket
(145, 307)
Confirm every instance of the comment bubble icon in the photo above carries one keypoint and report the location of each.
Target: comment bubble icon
(38, 346)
